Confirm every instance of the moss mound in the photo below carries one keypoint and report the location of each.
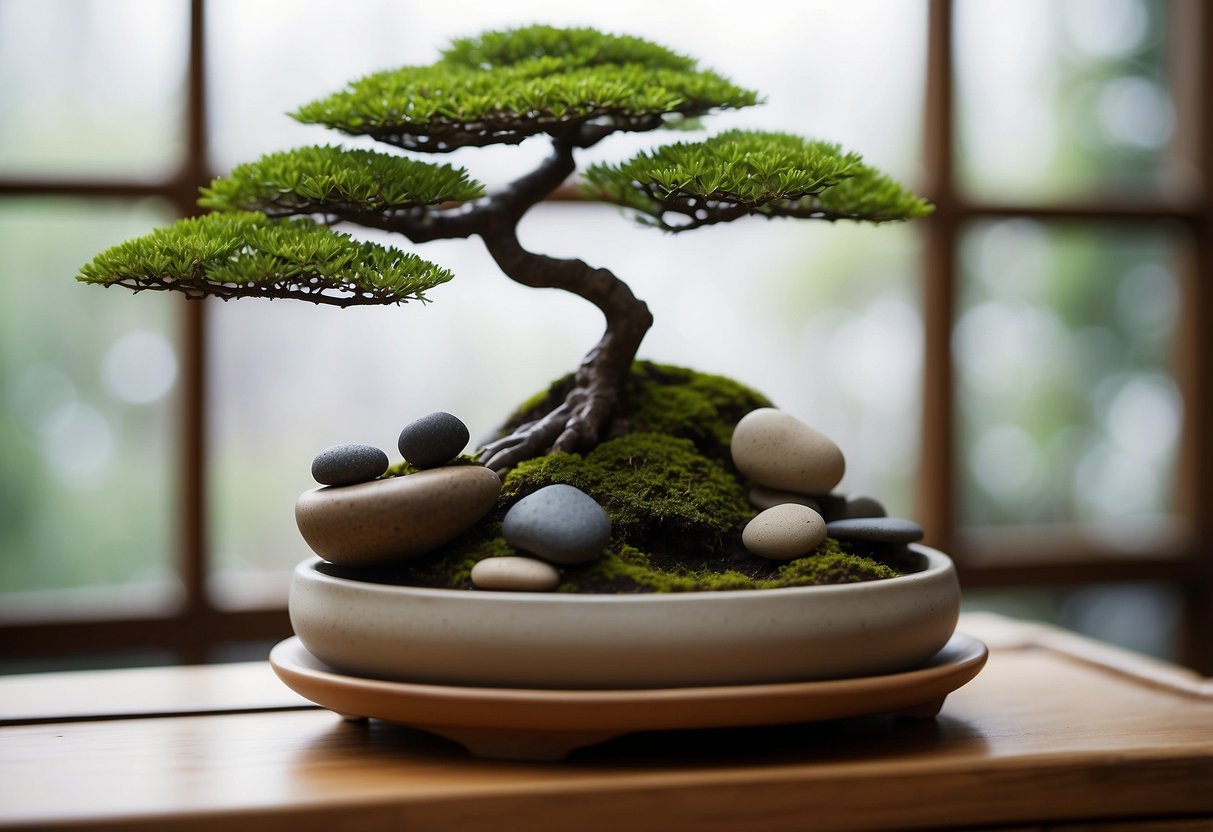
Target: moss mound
(665, 478)
(646, 482)
(674, 401)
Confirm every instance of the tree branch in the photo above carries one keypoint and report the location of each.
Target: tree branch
(270, 292)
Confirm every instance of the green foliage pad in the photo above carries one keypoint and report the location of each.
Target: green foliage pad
(335, 179)
(691, 184)
(248, 255)
(505, 86)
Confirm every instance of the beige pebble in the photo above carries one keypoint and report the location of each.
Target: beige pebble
(515, 574)
(784, 532)
(763, 498)
(395, 519)
(777, 450)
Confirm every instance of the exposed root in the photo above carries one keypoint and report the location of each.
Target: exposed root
(576, 424)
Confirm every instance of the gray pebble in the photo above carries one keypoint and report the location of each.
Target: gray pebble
(876, 530)
(831, 506)
(558, 523)
(433, 440)
(348, 464)
(862, 507)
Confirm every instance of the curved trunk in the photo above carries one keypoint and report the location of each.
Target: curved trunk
(578, 423)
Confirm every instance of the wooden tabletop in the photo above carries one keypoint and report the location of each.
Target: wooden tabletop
(1055, 730)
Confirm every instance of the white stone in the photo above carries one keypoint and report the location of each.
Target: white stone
(763, 498)
(784, 532)
(777, 450)
(515, 574)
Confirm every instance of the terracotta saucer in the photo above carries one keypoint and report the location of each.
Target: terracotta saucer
(515, 723)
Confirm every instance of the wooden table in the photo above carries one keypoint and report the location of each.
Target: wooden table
(1056, 732)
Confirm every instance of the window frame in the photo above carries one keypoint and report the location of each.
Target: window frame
(198, 627)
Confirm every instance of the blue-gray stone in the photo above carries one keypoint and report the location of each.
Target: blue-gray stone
(559, 523)
(875, 529)
(433, 440)
(348, 464)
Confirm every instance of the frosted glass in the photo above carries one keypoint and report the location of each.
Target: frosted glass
(92, 88)
(1063, 99)
(1069, 408)
(88, 411)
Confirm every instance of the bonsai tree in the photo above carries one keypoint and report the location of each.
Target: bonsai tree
(270, 231)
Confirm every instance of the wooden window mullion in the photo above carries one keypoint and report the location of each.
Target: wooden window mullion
(936, 477)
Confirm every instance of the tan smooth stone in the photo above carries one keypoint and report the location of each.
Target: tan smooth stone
(763, 498)
(515, 574)
(777, 450)
(784, 532)
(395, 519)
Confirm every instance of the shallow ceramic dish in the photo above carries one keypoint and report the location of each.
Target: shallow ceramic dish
(556, 640)
(518, 724)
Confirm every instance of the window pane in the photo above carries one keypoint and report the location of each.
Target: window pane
(1069, 408)
(87, 389)
(92, 88)
(1060, 100)
(1143, 617)
(822, 318)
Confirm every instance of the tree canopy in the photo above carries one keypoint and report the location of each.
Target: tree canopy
(503, 87)
(247, 255)
(690, 184)
(309, 179)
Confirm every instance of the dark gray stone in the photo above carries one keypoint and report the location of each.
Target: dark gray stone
(348, 464)
(433, 440)
(559, 523)
(863, 506)
(831, 506)
(875, 530)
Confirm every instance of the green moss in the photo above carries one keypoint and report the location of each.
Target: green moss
(700, 407)
(629, 569)
(644, 482)
(659, 398)
(664, 477)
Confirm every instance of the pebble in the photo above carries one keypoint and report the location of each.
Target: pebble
(396, 518)
(833, 506)
(784, 532)
(876, 530)
(862, 506)
(558, 523)
(433, 440)
(348, 464)
(777, 450)
(763, 498)
(515, 574)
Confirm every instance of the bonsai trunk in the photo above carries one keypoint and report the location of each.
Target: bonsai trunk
(578, 422)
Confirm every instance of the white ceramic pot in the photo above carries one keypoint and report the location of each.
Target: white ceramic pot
(557, 640)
